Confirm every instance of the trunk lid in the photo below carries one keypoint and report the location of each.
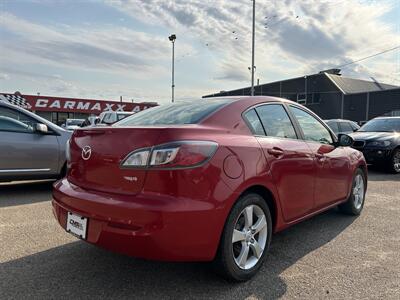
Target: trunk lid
(96, 155)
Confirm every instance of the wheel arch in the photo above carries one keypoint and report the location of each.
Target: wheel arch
(364, 168)
(269, 198)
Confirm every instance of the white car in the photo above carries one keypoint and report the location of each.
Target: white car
(72, 124)
(110, 117)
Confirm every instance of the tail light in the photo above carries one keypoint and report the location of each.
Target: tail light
(182, 154)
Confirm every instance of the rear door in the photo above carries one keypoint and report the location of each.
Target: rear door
(332, 163)
(25, 152)
(290, 159)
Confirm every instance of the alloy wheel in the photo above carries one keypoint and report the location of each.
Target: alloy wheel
(396, 161)
(249, 237)
(358, 191)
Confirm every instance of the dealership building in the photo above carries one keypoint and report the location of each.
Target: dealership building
(58, 109)
(331, 95)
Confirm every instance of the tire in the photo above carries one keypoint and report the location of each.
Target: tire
(394, 162)
(355, 203)
(254, 240)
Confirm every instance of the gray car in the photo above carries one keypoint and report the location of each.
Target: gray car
(30, 147)
(342, 126)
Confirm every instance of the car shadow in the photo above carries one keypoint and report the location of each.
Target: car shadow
(376, 174)
(80, 270)
(19, 193)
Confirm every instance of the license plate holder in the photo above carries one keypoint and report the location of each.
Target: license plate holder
(77, 225)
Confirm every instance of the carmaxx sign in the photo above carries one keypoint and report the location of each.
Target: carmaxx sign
(57, 104)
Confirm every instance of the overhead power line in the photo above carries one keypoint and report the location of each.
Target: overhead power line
(367, 57)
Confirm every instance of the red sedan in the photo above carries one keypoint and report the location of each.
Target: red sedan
(206, 181)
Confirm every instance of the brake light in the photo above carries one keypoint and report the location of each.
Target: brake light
(182, 154)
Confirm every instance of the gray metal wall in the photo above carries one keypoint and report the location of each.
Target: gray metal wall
(383, 102)
(329, 106)
(332, 103)
(366, 106)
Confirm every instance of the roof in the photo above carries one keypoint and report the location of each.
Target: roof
(388, 117)
(343, 84)
(337, 120)
(353, 86)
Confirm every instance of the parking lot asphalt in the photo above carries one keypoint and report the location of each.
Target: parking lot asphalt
(330, 256)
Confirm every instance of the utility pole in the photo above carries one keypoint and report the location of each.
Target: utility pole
(172, 38)
(252, 50)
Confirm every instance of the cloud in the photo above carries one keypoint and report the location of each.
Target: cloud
(213, 48)
(107, 49)
(4, 76)
(32, 82)
(304, 34)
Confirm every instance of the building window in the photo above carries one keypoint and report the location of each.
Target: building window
(312, 98)
(301, 98)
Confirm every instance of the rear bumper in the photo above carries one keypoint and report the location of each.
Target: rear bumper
(150, 226)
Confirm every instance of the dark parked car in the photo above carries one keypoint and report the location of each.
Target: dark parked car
(379, 140)
(30, 147)
(342, 126)
(207, 180)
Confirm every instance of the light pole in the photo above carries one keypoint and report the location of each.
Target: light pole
(305, 88)
(172, 38)
(252, 50)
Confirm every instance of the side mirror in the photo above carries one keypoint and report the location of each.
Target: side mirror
(345, 140)
(42, 128)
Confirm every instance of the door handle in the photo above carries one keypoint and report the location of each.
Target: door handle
(277, 152)
(320, 156)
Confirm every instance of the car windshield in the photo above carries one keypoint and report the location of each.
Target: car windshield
(382, 125)
(174, 114)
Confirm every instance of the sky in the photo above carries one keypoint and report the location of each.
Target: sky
(107, 49)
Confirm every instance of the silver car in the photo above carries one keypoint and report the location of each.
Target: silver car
(30, 147)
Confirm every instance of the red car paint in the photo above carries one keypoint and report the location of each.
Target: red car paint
(179, 214)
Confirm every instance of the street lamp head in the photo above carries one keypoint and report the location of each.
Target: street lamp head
(172, 37)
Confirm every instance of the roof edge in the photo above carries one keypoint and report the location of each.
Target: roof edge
(334, 82)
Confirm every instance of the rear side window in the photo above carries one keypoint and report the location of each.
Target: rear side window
(346, 127)
(174, 114)
(254, 122)
(108, 118)
(334, 126)
(13, 120)
(276, 121)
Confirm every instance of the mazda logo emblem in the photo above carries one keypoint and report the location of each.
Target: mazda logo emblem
(86, 152)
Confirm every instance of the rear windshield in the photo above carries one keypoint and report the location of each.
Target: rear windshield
(75, 122)
(174, 114)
